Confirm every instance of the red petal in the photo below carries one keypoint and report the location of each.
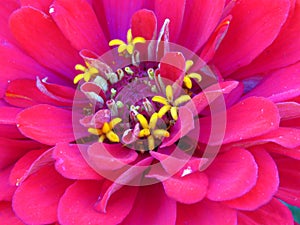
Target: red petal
(272, 58)
(146, 206)
(266, 185)
(288, 110)
(118, 14)
(42, 5)
(172, 10)
(273, 213)
(293, 153)
(172, 66)
(46, 124)
(289, 180)
(8, 215)
(39, 36)
(70, 163)
(26, 93)
(289, 85)
(143, 24)
(200, 19)
(254, 27)
(187, 189)
(249, 118)
(36, 200)
(205, 213)
(6, 189)
(231, 175)
(79, 24)
(76, 205)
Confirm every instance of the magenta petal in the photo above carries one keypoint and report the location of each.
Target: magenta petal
(272, 58)
(288, 110)
(150, 201)
(200, 19)
(79, 24)
(249, 33)
(70, 163)
(143, 24)
(6, 189)
(274, 212)
(266, 185)
(110, 156)
(172, 66)
(46, 124)
(36, 200)
(289, 180)
(8, 215)
(205, 213)
(289, 86)
(76, 207)
(6, 8)
(29, 27)
(172, 10)
(231, 175)
(42, 5)
(247, 119)
(187, 189)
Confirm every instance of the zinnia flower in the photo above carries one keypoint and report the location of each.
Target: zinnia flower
(149, 112)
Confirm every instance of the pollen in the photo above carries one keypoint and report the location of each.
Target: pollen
(187, 80)
(170, 105)
(107, 132)
(88, 71)
(129, 47)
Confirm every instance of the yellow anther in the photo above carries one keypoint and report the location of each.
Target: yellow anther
(112, 136)
(102, 138)
(153, 120)
(151, 142)
(195, 76)
(182, 99)
(174, 113)
(114, 122)
(88, 72)
(106, 128)
(129, 47)
(187, 82)
(159, 133)
(169, 93)
(188, 64)
(160, 99)
(95, 131)
(144, 133)
(163, 110)
(143, 121)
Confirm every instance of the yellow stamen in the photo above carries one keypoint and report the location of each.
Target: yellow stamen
(174, 113)
(114, 122)
(159, 133)
(160, 99)
(88, 72)
(163, 110)
(112, 136)
(143, 121)
(95, 131)
(196, 76)
(151, 142)
(144, 133)
(153, 120)
(169, 93)
(138, 40)
(182, 99)
(116, 42)
(187, 82)
(188, 64)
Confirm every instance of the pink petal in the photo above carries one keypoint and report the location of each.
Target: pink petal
(8, 114)
(42, 5)
(77, 204)
(8, 215)
(231, 175)
(143, 24)
(11, 150)
(254, 27)
(79, 24)
(289, 86)
(146, 206)
(118, 14)
(288, 110)
(46, 124)
(51, 50)
(247, 119)
(187, 189)
(274, 148)
(6, 189)
(109, 156)
(6, 8)
(172, 10)
(289, 180)
(273, 213)
(172, 66)
(70, 163)
(272, 57)
(206, 213)
(26, 93)
(200, 19)
(36, 200)
(266, 185)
